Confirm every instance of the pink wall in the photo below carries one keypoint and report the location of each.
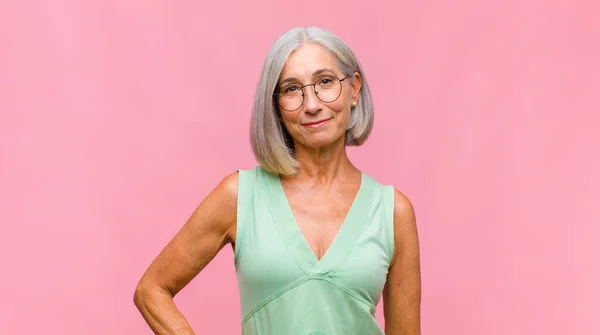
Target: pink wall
(117, 118)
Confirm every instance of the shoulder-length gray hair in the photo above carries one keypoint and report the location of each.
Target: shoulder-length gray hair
(271, 143)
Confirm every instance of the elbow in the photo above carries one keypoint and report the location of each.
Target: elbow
(139, 296)
(145, 294)
(142, 294)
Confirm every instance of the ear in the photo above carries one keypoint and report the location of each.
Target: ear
(356, 86)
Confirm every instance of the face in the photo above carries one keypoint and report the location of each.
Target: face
(317, 123)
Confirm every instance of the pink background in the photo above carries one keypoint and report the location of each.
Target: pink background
(118, 117)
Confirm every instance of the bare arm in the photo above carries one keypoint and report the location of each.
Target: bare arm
(402, 292)
(210, 227)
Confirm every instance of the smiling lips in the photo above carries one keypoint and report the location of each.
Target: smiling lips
(316, 124)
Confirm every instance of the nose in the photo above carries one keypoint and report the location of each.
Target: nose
(312, 104)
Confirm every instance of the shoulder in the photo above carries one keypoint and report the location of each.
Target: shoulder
(219, 206)
(402, 205)
(403, 208)
(405, 225)
(404, 213)
(228, 186)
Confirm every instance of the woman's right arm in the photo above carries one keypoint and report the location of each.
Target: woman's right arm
(210, 227)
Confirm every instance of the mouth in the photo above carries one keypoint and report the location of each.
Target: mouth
(316, 124)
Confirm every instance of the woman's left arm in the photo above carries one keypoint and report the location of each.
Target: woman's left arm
(402, 292)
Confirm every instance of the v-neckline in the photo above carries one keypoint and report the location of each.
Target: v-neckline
(297, 243)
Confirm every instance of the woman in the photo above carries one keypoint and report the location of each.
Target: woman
(316, 240)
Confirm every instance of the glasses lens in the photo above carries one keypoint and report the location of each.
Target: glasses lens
(290, 97)
(328, 88)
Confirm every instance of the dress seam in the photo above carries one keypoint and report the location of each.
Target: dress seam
(298, 282)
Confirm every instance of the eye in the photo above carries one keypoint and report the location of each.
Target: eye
(290, 89)
(326, 83)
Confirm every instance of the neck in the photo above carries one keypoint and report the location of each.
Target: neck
(324, 164)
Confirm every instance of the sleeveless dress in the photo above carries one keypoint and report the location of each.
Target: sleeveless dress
(284, 288)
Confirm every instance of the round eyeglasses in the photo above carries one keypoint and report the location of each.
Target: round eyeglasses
(327, 89)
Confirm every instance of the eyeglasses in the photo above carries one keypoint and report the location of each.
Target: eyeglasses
(327, 89)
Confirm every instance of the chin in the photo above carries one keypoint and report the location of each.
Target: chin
(321, 140)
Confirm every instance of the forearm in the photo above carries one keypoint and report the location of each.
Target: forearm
(161, 314)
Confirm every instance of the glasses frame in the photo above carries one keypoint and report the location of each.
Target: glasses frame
(314, 86)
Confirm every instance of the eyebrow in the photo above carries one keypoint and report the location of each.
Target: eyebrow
(316, 73)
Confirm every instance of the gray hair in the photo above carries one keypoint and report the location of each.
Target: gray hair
(271, 143)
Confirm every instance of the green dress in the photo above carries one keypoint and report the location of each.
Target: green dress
(284, 288)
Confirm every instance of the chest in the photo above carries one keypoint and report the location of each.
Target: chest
(320, 215)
